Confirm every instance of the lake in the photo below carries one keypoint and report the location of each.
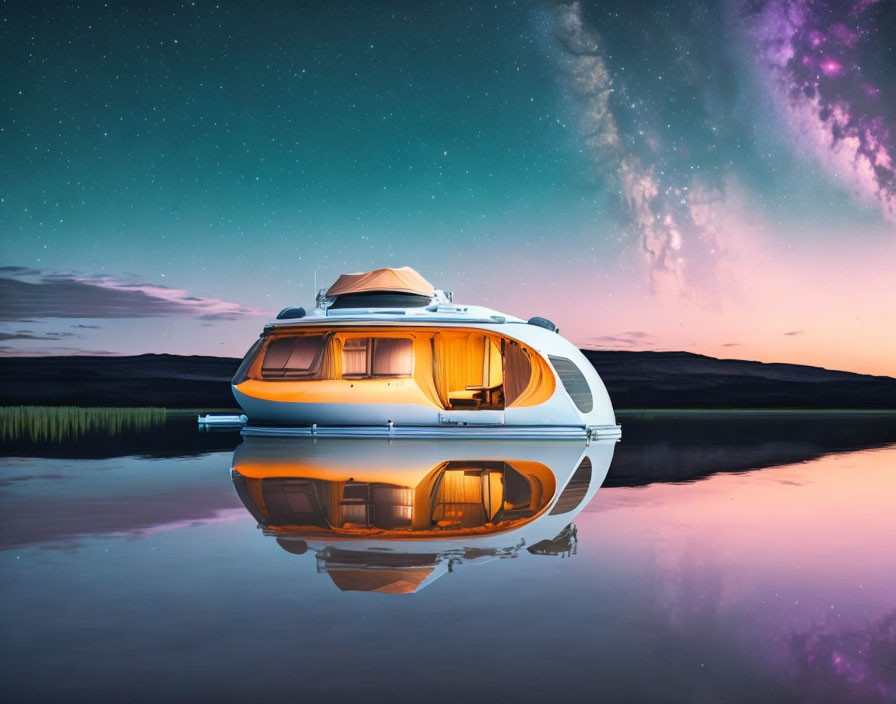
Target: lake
(736, 558)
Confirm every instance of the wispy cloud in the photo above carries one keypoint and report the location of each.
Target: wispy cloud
(18, 271)
(8, 351)
(624, 340)
(29, 335)
(29, 294)
(791, 333)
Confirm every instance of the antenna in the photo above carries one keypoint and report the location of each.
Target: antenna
(315, 282)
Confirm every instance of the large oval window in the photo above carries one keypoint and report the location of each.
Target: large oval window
(574, 382)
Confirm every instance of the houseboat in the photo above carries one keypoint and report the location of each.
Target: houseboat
(383, 352)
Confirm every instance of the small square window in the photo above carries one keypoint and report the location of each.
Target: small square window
(368, 357)
(355, 362)
(393, 357)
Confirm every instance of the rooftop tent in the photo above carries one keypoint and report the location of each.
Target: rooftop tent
(403, 280)
(400, 288)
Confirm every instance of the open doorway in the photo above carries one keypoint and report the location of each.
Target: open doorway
(469, 371)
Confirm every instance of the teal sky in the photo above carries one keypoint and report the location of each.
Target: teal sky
(304, 130)
(546, 158)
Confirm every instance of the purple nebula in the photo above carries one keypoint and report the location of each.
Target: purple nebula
(811, 58)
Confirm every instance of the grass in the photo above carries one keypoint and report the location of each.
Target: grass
(59, 423)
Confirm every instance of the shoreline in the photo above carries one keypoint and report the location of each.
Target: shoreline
(629, 412)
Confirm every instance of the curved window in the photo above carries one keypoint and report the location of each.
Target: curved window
(574, 382)
(242, 373)
(575, 490)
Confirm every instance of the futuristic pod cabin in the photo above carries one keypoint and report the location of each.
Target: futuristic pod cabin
(384, 350)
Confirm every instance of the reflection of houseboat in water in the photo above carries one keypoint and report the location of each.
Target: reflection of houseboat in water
(384, 349)
(393, 516)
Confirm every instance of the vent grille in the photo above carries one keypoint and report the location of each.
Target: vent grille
(576, 489)
(574, 382)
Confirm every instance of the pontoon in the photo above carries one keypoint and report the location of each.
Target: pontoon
(383, 352)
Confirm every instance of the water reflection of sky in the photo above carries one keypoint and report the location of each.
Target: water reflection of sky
(146, 579)
(793, 564)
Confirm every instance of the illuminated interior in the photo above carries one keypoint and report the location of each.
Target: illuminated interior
(455, 497)
(449, 369)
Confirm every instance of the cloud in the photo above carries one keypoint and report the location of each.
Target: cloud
(28, 294)
(625, 340)
(29, 335)
(731, 344)
(87, 327)
(791, 333)
(17, 271)
(7, 351)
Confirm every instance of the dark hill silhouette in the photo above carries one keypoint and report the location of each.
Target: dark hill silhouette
(634, 380)
(169, 380)
(686, 380)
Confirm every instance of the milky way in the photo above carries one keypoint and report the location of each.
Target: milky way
(670, 206)
(666, 138)
(811, 53)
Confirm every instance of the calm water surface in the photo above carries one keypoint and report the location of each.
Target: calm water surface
(133, 570)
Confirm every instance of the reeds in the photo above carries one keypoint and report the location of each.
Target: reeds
(59, 423)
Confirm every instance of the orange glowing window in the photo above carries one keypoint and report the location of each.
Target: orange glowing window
(289, 357)
(370, 357)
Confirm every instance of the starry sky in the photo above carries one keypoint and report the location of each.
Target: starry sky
(712, 177)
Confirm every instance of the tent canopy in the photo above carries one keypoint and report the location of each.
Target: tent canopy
(403, 280)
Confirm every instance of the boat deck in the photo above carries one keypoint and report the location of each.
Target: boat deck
(593, 433)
